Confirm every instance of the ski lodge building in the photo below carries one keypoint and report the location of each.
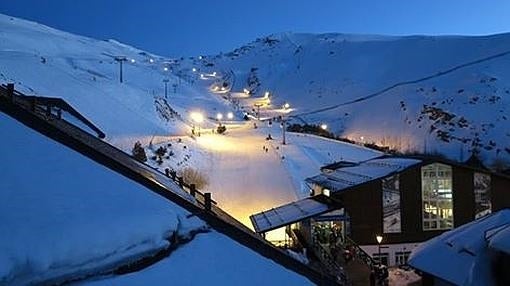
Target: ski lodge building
(404, 200)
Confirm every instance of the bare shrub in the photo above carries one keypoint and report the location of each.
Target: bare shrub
(192, 176)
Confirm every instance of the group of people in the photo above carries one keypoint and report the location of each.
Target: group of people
(379, 275)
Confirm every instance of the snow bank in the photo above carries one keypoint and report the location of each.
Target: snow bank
(210, 259)
(63, 215)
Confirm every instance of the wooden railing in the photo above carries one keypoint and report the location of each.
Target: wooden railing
(46, 106)
(202, 198)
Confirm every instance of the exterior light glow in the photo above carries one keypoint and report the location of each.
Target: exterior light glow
(230, 115)
(286, 105)
(197, 117)
(194, 69)
(219, 116)
(326, 192)
(324, 126)
(133, 61)
(379, 238)
(165, 69)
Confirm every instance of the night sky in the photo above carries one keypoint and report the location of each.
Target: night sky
(184, 28)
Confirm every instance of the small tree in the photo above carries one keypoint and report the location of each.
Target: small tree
(192, 176)
(221, 129)
(138, 152)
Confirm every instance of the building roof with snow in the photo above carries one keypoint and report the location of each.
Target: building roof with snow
(350, 175)
(463, 255)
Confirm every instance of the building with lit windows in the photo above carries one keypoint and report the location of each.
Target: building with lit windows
(406, 200)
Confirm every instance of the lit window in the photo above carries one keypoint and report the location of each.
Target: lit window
(437, 199)
(402, 257)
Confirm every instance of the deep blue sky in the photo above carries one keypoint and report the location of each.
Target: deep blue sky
(193, 27)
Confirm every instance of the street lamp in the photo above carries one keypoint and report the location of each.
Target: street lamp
(197, 118)
(219, 117)
(379, 240)
(258, 105)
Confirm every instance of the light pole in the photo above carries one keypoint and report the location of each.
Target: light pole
(197, 118)
(166, 80)
(120, 60)
(285, 107)
(258, 105)
(379, 240)
(219, 117)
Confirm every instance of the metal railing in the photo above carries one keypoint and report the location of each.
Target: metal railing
(360, 254)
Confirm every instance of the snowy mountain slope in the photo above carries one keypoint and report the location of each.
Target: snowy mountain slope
(48, 62)
(64, 217)
(44, 61)
(447, 94)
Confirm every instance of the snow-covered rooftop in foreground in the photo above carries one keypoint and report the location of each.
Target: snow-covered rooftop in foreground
(63, 214)
(462, 256)
(210, 259)
(65, 217)
(363, 172)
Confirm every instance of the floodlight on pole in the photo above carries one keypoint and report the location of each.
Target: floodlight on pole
(197, 118)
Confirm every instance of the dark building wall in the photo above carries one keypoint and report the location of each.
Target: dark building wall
(500, 193)
(364, 206)
(463, 196)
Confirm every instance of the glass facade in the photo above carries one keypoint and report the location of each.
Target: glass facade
(437, 199)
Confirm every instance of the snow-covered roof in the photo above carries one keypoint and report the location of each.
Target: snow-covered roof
(461, 256)
(343, 178)
(287, 214)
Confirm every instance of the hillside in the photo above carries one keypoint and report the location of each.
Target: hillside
(445, 94)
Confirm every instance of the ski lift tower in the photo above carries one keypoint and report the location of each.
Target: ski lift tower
(120, 60)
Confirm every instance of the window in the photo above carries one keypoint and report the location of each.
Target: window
(482, 189)
(437, 199)
(402, 257)
(384, 258)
